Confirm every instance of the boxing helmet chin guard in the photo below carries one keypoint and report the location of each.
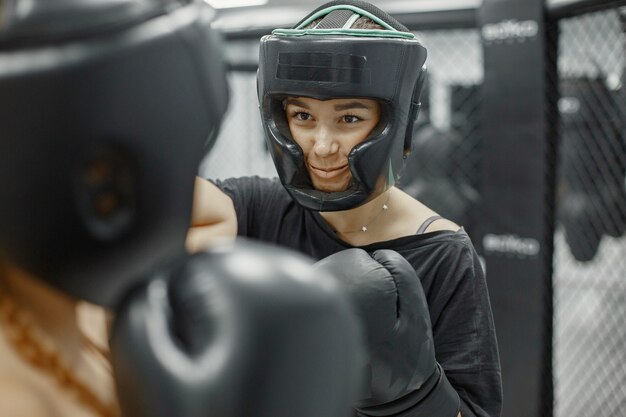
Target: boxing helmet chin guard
(329, 62)
(106, 110)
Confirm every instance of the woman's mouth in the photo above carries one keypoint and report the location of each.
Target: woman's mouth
(328, 173)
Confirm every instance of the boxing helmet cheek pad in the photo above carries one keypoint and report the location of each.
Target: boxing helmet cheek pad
(384, 65)
(103, 131)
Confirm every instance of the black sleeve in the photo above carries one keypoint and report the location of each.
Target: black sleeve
(252, 198)
(464, 332)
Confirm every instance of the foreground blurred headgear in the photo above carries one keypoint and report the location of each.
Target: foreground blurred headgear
(106, 109)
(322, 57)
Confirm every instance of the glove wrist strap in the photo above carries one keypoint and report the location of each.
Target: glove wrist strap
(435, 398)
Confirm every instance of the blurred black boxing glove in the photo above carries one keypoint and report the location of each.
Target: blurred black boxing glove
(240, 330)
(403, 378)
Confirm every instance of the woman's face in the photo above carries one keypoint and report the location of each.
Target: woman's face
(327, 131)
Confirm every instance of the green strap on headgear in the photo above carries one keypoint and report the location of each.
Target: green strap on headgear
(388, 32)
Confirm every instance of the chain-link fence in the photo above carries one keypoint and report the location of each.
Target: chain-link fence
(443, 170)
(240, 148)
(590, 241)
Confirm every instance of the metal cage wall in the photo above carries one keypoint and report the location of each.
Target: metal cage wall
(590, 239)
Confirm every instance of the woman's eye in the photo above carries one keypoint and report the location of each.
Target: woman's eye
(302, 116)
(351, 119)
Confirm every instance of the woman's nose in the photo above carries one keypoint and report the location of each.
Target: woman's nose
(325, 143)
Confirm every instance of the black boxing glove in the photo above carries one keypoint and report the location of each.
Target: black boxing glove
(240, 330)
(403, 378)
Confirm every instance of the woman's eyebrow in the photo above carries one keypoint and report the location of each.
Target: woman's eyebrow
(296, 102)
(351, 105)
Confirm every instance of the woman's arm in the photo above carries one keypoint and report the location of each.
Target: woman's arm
(213, 215)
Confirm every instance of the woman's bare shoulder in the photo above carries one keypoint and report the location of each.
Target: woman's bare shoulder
(18, 399)
(21, 395)
(442, 224)
(417, 213)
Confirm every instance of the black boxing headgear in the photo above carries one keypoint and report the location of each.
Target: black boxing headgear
(106, 110)
(328, 61)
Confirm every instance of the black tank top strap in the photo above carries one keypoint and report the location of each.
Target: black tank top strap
(427, 223)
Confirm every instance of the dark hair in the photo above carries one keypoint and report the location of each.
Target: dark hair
(362, 22)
